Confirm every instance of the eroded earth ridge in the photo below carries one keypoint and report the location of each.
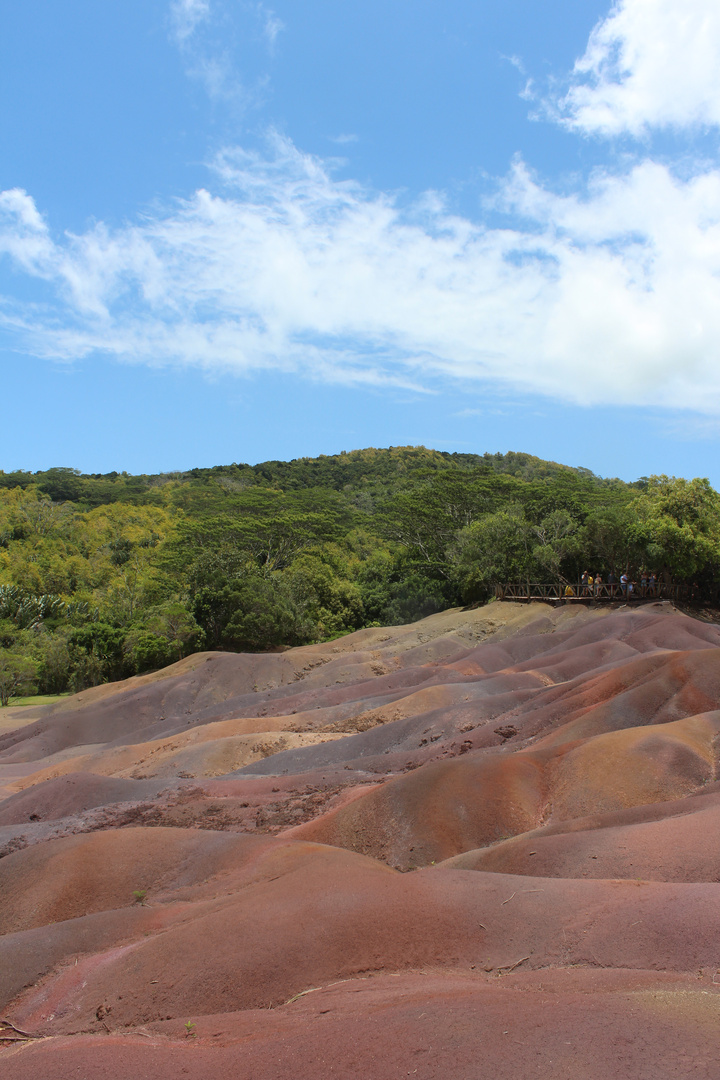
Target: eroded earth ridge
(486, 845)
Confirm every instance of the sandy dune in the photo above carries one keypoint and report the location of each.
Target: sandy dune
(484, 845)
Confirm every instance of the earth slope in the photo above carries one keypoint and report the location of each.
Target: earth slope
(484, 845)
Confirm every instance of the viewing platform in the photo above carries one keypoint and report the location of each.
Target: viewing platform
(558, 593)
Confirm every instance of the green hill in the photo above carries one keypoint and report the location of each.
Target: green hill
(105, 575)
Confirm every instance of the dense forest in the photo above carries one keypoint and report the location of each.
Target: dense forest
(105, 576)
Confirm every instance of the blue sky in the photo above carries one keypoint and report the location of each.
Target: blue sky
(234, 231)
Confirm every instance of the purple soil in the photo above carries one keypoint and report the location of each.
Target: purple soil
(682, 848)
(448, 807)
(551, 779)
(220, 685)
(429, 1026)
(249, 928)
(74, 794)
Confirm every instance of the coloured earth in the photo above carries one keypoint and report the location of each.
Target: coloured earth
(484, 846)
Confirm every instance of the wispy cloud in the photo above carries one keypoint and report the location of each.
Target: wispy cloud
(272, 25)
(217, 73)
(186, 16)
(606, 297)
(693, 429)
(204, 33)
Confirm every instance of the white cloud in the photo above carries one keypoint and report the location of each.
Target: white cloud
(693, 429)
(23, 233)
(609, 297)
(207, 39)
(650, 63)
(272, 25)
(186, 16)
(216, 71)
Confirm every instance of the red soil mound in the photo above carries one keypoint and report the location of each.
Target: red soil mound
(675, 848)
(562, 764)
(650, 690)
(448, 807)
(72, 794)
(359, 671)
(434, 1026)
(80, 875)
(437, 811)
(299, 916)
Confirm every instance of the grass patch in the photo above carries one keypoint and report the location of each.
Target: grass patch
(37, 699)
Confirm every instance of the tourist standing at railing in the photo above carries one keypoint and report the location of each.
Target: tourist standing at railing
(652, 585)
(612, 583)
(624, 581)
(643, 583)
(584, 582)
(598, 584)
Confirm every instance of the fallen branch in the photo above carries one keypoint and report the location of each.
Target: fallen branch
(302, 994)
(19, 1031)
(511, 967)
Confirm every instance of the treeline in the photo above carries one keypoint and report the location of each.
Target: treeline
(105, 576)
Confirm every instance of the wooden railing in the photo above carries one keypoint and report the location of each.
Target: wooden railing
(553, 593)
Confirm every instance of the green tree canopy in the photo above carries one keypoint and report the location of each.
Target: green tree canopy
(105, 575)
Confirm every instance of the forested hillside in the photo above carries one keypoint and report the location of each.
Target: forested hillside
(104, 576)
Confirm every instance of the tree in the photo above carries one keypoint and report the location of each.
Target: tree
(167, 634)
(609, 539)
(54, 662)
(496, 548)
(557, 545)
(148, 651)
(98, 653)
(429, 519)
(103, 575)
(321, 594)
(266, 615)
(678, 527)
(17, 674)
